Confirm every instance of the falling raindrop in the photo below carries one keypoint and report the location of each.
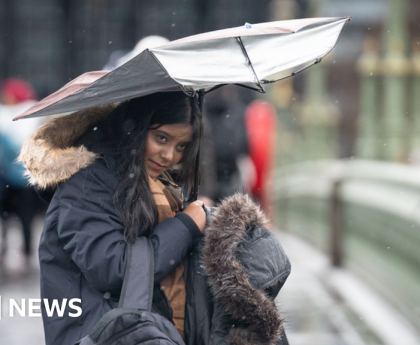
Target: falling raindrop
(110, 42)
(172, 262)
(131, 175)
(371, 73)
(227, 116)
(173, 24)
(95, 128)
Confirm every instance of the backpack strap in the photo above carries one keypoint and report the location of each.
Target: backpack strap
(137, 289)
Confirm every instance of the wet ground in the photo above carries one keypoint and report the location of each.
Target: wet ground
(19, 279)
(320, 305)
(313, 315)
(329, 306)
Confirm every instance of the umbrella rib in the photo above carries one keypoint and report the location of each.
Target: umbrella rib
(316, 61)
(249, 63)
(241, 85)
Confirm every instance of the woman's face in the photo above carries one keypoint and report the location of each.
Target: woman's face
(165, 147)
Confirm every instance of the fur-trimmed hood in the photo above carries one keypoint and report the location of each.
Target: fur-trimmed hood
(50, 155)
(242, 261)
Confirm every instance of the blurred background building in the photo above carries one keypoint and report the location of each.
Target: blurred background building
(51, 42)
(347, 175)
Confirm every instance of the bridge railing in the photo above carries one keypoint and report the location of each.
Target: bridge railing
(365, 214)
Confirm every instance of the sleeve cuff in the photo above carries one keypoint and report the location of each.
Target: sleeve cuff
(190, 225)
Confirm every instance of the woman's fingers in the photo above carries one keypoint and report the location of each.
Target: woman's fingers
(196, 212)
(199, 203)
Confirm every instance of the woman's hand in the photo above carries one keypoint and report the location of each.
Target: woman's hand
(198, 215)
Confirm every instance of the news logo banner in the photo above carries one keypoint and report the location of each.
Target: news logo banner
(32, 307)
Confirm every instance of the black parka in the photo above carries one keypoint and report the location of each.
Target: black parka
(83, 252)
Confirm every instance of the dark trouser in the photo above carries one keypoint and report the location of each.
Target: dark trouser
(22, 202)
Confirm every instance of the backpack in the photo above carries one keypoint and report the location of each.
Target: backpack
(133, 322)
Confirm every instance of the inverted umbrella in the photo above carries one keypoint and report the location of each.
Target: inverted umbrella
(247, 55)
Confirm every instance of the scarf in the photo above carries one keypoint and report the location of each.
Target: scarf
(173, 284)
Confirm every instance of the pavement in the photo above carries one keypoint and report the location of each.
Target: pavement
(320, 305)
(331, 306)
(19, 279)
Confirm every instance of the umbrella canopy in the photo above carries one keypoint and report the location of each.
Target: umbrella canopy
(252, 54)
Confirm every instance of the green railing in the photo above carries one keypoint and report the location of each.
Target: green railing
(365, 214)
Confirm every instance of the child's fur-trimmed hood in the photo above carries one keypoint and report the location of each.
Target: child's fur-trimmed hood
(257, 320)
(49, 154)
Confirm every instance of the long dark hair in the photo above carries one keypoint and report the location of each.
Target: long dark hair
(125, 132)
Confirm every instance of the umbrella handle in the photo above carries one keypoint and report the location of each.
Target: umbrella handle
(197, 174)
(201, 94)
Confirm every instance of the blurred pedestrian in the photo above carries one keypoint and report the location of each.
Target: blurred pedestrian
(16, 96)
(225, 113)
(261, 123)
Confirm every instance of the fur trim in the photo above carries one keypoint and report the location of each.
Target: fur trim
(49, 154)
(256, 316)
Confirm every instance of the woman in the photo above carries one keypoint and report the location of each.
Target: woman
(110, 176)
